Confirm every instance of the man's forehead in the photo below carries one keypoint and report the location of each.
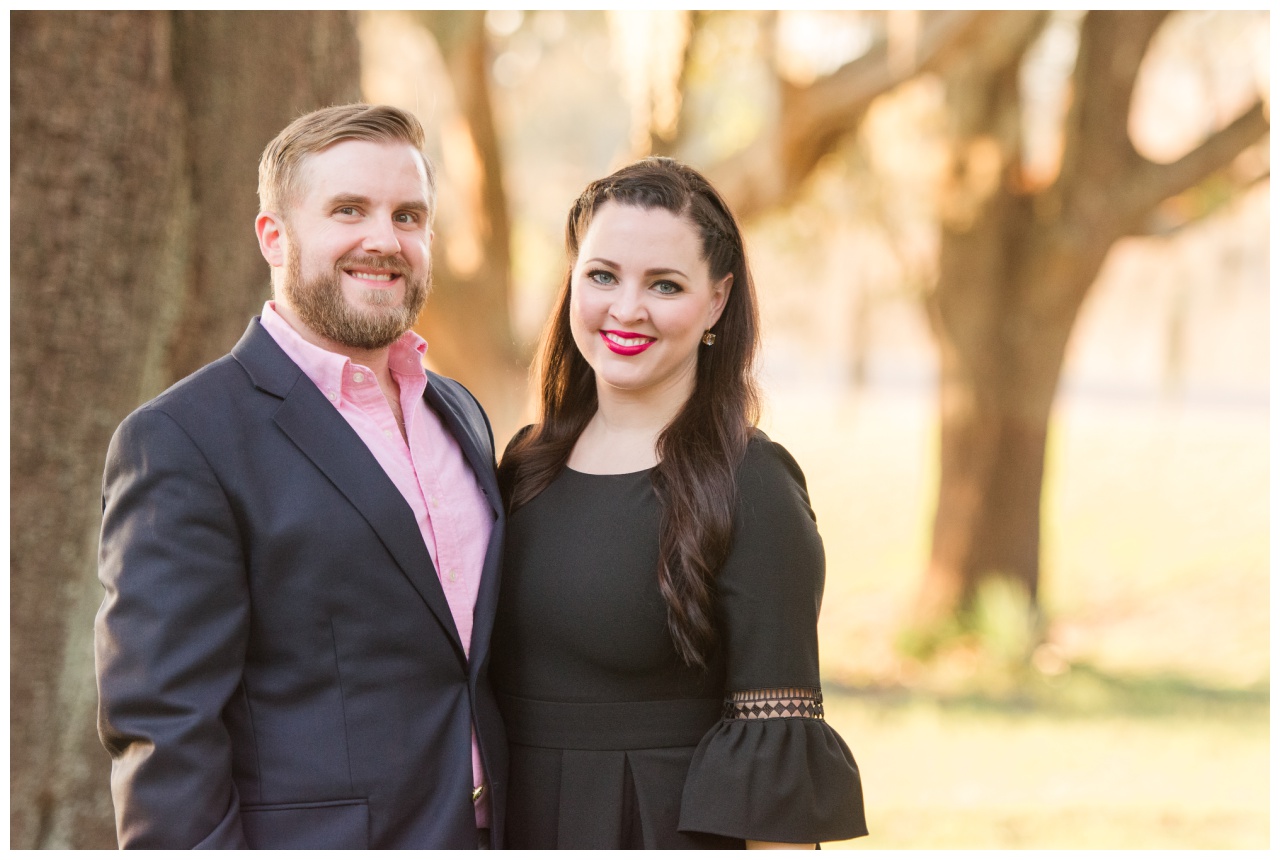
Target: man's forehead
(355, 162)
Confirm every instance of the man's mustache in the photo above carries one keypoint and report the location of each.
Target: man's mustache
(388, 264)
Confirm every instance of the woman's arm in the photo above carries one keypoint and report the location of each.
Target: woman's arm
(772, 770)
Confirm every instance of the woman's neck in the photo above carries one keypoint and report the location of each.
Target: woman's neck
(623, 434)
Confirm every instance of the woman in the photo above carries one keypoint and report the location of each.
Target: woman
(656, 647)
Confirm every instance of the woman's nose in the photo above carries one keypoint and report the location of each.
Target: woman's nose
(628, 304)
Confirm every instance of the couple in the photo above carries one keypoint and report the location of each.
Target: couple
(303, 643)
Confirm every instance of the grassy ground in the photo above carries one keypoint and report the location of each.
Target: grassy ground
(1150, 726)
(969, 775)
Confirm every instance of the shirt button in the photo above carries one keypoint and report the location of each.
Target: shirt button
(333, 395)
(359, 377)
(453, 576)
(432, 501)
(386, 433)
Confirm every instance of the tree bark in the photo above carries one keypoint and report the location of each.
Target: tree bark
(95, 174)
(117, 213)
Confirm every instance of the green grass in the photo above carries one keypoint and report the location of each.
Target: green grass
(1149, 724)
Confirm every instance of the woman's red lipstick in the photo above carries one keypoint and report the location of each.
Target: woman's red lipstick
(624, 349)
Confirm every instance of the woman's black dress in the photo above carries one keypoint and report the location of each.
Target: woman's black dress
(615, 742)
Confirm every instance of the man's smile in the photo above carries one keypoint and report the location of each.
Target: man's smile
(372, 276)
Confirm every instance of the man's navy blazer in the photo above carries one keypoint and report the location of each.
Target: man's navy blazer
(277, 663)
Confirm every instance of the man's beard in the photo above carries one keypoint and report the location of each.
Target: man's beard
(320, 304)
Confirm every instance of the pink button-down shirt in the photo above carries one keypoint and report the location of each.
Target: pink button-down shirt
(430, 470)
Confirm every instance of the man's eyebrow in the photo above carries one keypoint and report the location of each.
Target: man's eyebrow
(360, 200)
(347, 200)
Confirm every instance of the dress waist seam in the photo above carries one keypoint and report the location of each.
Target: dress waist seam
(608, 725)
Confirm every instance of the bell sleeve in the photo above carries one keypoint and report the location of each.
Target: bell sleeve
(772, 769)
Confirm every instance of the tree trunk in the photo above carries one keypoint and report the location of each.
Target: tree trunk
(96, 168)
(1014, 269)
(1001, 338)
(111, 155)
(242, 77)
(467, 321)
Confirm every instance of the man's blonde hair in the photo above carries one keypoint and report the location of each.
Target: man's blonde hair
(314, 132)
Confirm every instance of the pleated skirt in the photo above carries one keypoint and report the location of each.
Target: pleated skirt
(603, 775)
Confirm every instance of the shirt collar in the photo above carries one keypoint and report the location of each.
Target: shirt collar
(328, 369)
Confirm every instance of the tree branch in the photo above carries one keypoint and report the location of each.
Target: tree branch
(1196, 204)
(856, 84)
(769, 172)
(1149, 184)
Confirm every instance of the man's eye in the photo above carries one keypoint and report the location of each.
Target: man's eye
(407, 217)
(346, 210)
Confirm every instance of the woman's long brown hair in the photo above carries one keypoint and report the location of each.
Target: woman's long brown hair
(699, 451)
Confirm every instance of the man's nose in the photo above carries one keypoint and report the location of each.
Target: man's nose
(381, 238)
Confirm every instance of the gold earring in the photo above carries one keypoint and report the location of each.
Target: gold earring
(708, 337)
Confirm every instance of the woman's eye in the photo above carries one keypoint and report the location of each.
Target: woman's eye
(601, 277)
(667, 288)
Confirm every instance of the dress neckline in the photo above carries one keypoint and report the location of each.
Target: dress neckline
(609, 474)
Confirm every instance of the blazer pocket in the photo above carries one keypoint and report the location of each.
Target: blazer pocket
(327, 824)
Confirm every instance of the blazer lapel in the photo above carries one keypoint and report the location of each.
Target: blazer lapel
(312, 423)
(467, 425)
(472, 436)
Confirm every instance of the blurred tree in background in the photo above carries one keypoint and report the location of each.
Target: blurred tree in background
(135, 138)
(1018, 256)
(1018, 251)
(469, 324)
(1019, 242)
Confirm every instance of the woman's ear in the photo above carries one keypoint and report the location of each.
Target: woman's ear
(719, 296)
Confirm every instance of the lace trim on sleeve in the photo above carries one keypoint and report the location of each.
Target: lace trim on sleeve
(773, 703)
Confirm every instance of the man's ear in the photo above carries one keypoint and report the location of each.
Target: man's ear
(271, 239)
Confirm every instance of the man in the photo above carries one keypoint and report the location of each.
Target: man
(301, 543)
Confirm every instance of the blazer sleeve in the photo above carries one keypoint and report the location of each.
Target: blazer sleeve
(169, 639)
(772, 768)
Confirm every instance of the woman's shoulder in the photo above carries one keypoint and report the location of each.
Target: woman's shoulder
(768, 468)
(517, 437)
(774, 514)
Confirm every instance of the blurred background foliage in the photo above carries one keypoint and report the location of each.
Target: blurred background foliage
(1013, 268)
